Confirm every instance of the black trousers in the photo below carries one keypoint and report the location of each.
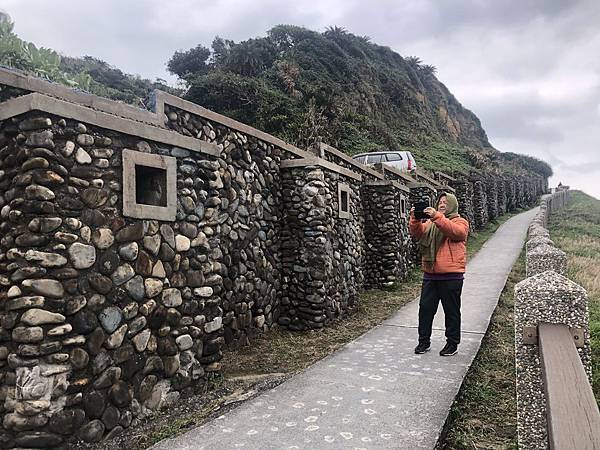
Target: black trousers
(448, 291)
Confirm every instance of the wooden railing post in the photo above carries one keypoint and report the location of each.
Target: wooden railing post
(571, 410)
(544, 302)
(552, 299)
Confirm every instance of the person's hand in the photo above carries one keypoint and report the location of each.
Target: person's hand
(430, 211)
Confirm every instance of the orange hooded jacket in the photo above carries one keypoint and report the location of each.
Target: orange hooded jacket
(452, 254)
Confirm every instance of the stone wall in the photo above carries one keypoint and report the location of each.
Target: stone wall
(502, 196)
(101, 307)
(510, 187)
(386, 239)
(480, 208)
(322, 248)
(491, 194)
(520, 193)
(464, 195)
(241, 216)
(136, 246)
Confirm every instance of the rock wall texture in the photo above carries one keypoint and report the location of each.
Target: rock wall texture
(322, 250)
(387, 243)
(136, 247)
(464, 195)
(241, 216)
(480, 209)
(100, 308)
(491, 192)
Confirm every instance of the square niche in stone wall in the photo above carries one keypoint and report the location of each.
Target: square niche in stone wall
(149, 186)
(344, 201)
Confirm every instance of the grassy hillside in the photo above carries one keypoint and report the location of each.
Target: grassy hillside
(305, 86)
(576, 231)
(302, 86)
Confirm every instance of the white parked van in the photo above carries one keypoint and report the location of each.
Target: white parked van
(401, 160)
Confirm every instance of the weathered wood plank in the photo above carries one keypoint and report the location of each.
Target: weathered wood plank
(572, 412)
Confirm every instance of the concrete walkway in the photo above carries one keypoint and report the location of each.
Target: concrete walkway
(374, 393)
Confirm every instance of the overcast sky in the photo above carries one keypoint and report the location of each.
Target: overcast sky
(529, 69)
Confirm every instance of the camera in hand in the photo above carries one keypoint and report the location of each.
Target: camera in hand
(420, 210)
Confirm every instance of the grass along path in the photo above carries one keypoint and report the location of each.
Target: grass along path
(483, 415)
(289, 352)
(576, 231)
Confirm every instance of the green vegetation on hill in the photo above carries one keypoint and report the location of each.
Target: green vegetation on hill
(302, 86)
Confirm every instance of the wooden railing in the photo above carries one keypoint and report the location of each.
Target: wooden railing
(572, 413)
(556, 408)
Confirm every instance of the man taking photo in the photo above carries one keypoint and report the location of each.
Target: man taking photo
(442, 240)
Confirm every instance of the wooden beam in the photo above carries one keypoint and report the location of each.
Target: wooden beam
(571, 410)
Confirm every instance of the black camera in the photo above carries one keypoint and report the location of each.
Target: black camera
(420, 210)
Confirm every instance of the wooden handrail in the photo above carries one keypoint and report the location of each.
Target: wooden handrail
(571, 410)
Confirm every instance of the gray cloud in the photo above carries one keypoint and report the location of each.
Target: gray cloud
(519, 118)
(527, 68)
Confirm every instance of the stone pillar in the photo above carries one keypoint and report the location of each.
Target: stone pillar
(322, 247)
(348, 240)
(511, 196)
(480, 209)
(36, 353)
(420, 192)
(491, 191)
(381, 235)
(384, 246)
(306, 248)
(530, 191)
(547, 297)
(502, 197)
(537, 229)
(406, 242)
(520, 193)
(464, 195)
(536, 241)
(545, 257)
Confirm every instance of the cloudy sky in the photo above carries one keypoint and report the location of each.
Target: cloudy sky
(529, 69)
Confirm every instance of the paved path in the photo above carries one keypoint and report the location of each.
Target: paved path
(374, 393)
